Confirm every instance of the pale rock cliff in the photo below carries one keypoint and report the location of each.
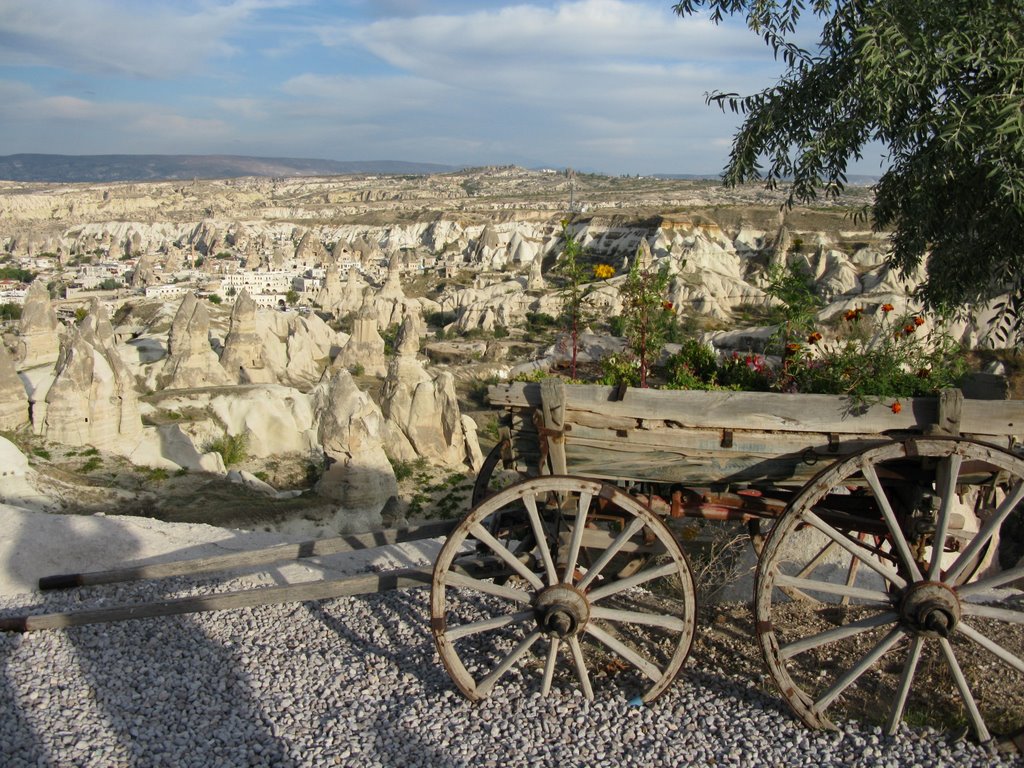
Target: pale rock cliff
(358, 474)
(191, 361)
(92, 400)
(421, 412)
(14, 412)
(365, 347)
(244, 356)
(38, 342)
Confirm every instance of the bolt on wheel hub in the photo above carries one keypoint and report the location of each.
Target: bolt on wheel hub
(930, 608)
(561, 611)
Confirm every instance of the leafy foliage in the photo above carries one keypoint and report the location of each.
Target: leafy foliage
(17, 273)
(574, 292)
(799, 304)
(648, 317)
(233, 448)
(939, 84)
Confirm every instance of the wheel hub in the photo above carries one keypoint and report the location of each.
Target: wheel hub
(930, 608)
(561, 611)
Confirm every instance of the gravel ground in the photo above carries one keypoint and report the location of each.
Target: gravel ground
(356, 681)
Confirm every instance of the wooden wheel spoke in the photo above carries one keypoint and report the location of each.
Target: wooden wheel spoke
(797, 647)
(613, 549)
(486, 684)
(549, 666)
(815, 561)
(633, 581)
(648, 629)
(579, 526)
(906, 680)
(854, 673)
(991, 582)
(902, 547)
(956, 571)
(854, 548)
(530, 501)
(617, 646)
(484, 536)
(484, 625)
(453, 579)
(851, 573)
(991, 612)
(580, 664)
(829, 588)
(947, 477)
(965, 690)
(666, 621)
(991, 646)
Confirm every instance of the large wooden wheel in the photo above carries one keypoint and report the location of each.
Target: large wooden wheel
(562, 581)
(891, 589)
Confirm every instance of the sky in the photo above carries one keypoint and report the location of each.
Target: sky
(608, 86)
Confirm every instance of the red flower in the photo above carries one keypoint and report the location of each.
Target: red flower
(667, 306)
(896, 407)
(887, 308)
(814, 338)
(909, 329)
(792, 347)
(853, 314)
(918, 321)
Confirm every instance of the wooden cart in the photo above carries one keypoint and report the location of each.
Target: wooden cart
(889, 585)
(890, 580)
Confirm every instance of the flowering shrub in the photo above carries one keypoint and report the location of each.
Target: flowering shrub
(892, 357)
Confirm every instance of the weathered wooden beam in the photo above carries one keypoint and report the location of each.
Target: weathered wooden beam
(552, 392)
(362, 584)
(767, 411)
(276, 554)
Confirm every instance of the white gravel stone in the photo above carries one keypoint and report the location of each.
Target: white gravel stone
(357, 682)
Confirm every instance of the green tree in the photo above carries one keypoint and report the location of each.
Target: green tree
(939, 85)
(574, 292)
(647, 315)
(292, 297)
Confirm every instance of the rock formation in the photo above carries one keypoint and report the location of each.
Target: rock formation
(37, 343)
(365, 347)
(421, 412)
(13, 398)
(92, 400)
(358, 475)
(191, 361)
(244, 354)
(535, 280)
(329, 297)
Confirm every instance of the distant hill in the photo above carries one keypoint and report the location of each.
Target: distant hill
(98, 168)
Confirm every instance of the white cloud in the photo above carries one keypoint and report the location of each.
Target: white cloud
(154, 39)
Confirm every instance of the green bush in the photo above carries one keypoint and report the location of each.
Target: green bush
(617, 369)
(233, 449)
(92, 464)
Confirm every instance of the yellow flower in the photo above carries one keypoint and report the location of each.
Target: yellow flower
(604, 271)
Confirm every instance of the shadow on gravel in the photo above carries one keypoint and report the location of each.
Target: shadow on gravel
(406, 614)
(132, 693)
(19, 740)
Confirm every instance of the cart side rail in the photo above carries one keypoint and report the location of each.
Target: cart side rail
(601, 406)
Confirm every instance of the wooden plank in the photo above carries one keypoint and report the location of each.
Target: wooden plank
(769, 411)
(992, 417)
(696, 468)
(362, 584)
(553, 405)
(276, 554)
